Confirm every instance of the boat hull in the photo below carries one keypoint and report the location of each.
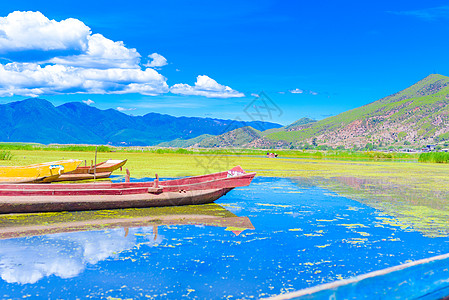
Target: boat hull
(43, 172)
(45, 203)
(82, 176)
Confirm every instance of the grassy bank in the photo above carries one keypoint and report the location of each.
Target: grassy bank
(145, 164)
(322, 154)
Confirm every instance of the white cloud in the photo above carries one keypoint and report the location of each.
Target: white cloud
(205, 86)
(297, 91)
(88, 101)
(125, 109)
(32, 30)
(31, 79)
(254, 95)
(102, 53)
(85, 62)
(157, 60)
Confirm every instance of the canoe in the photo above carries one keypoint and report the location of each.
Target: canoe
(16, 198)
(81, 176)
(43, 172)
(36, 224)
(107, 166)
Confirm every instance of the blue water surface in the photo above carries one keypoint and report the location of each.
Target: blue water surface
(303, 236)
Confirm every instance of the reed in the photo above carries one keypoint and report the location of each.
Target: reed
(434, 157)
(5, 155)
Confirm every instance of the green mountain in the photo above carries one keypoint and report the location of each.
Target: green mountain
(412, 117)
(240, 137)
(299, 124)
(180, 143)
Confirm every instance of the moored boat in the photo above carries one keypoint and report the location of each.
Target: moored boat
(203, 189)
(82, 176)
(42, 172)
(98, 171)
(106, 166)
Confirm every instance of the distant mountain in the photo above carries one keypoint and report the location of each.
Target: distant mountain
(37, 120)
(299, 124)
(415, 116)
(180, 143)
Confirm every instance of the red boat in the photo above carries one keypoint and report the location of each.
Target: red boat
(19, 198)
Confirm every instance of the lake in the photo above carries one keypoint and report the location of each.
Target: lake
(275, 236)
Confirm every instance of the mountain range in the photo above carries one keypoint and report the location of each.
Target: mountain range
(38, 120)
(413, 117)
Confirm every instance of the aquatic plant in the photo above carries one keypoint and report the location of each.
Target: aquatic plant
(434, 157)
(5, 155)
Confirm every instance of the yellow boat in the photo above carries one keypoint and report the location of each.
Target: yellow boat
(43, 172)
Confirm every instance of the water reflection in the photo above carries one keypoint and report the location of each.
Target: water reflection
(64, 244)
(408, 206)
(305, 235)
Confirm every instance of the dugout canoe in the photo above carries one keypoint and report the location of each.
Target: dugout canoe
(42, 172)
(16, 198)
(106, 166)
(82, 176)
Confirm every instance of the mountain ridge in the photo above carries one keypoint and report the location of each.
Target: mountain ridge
(38, 120)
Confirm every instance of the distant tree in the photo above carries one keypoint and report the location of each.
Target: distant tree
(407, 143)
(369, 146)
(314, 143)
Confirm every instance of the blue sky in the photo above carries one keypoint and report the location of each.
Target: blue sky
(312, 58)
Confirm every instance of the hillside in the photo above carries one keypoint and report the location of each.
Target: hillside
(412, 117)
(37, 120)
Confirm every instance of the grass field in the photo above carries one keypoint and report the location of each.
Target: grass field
(145, 164)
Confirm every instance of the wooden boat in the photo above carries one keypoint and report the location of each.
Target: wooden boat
(33, 224)
(43, 172)
(15, 198)
(81, 176)
(107, 166)
(98, 171)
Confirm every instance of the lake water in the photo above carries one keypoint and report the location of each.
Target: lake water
(295, 236)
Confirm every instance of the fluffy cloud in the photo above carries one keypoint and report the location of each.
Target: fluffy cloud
(85, 62)
(157, 60)
(32, 30)
(102, 53)
(31, 79)
(88, 101)
(205, 86)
